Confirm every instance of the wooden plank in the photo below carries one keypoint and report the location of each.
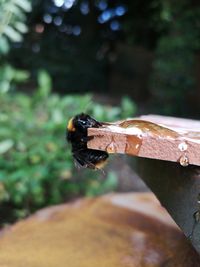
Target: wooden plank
(175, 142)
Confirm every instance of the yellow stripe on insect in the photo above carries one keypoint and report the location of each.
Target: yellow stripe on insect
(100, 164)
(70, 125)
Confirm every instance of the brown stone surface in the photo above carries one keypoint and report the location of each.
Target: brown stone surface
(118, 230)
(155, 137)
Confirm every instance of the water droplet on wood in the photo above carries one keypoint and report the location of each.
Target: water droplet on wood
(182, 146)
(111, 148)
(184, 161)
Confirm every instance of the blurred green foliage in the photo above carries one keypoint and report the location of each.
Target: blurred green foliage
(12, 27)
(12, 22)
(36, 167)
(9, 77)
(173, 81)
(168, 31)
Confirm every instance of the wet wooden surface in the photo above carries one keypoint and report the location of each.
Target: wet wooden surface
(168, 157)
(151, 138)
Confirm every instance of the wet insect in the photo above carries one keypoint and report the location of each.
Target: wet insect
(77, 136)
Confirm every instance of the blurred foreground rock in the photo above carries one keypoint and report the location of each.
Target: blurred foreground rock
(117, 230)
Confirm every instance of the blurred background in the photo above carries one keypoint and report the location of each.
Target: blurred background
(111, 59)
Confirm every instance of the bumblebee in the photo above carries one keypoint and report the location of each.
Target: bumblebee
(77, 136)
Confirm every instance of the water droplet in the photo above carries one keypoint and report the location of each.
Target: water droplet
(140, 135)
(137, 146)
(133, 145)
(184, 161)
(111, 148)
(182, 146)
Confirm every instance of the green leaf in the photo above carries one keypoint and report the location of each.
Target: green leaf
(45, 83)
(128, 107)
(21, 27)
(4, 46)
(23, 4)
(16, 12)
(57, 116)
(4, 86)
(6, 145)
(12, 34)
(21, 75)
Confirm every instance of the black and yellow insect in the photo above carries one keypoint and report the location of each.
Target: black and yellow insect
(77, 136)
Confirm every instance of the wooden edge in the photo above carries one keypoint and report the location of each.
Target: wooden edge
(117, 140)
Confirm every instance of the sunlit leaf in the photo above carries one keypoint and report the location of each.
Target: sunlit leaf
(21, 75)
(16, 11)
(12, 34)
(45, 83)
(128, 107)
(4, 86)
(24, 4)
(6, 145)
(21, 27)
(4, 46)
